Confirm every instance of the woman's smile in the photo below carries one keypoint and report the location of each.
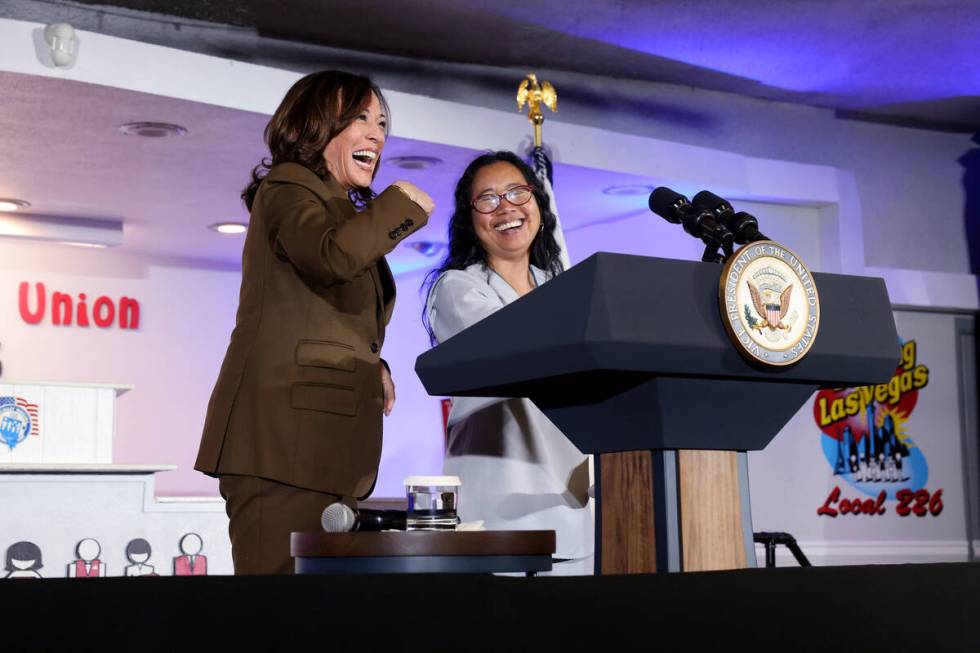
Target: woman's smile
(511, 226)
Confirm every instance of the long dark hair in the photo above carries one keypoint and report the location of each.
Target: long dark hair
(465, 248)
(315, 109)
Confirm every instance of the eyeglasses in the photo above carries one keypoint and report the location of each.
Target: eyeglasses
(488, 202)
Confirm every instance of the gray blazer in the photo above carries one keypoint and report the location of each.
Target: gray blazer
(518, 470)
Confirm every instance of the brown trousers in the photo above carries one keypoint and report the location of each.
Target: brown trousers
(262, 515)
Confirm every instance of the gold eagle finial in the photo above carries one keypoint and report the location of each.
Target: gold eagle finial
(533, 94)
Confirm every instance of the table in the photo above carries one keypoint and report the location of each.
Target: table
(422, 552)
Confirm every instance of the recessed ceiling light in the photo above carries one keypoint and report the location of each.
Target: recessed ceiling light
(152, 129)
(412, 162)
(628, 189)
(427, 248)
(229, 227)
(11, 204)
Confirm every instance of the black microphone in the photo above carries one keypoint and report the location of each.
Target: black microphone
(674, 207)
(341, 518)
(744, 227)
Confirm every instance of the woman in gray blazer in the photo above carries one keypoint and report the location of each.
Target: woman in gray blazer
(518, 470)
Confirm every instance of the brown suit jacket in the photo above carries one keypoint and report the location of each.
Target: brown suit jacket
(298, 399)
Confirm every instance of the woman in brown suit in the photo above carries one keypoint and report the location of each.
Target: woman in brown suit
(294, 421)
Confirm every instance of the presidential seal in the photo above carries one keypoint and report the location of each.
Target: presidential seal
(769, 303)
(15, 422)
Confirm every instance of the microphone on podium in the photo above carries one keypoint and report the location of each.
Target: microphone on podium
(699, 222)
(744, 226)
(341, 518)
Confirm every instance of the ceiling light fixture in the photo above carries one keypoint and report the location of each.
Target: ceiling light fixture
(627, 190)
(90, 232)
(412, 162)
(229, 227)
(152, 129)
(11, 204)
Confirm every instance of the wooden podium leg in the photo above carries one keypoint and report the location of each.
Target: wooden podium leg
(711, 518)
(626, 513)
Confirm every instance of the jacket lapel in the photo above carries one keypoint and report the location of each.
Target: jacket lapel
(503, 289)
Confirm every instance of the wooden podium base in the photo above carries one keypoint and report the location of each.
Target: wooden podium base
(711, 513)
(669, 511)
(624, 520)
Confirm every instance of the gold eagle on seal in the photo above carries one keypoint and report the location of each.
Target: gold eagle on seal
(770, 306)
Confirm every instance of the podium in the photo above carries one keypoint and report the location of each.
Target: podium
(57, 423)
(628, 356)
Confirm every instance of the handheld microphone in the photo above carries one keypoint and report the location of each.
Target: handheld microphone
(700, 223)
(341, 518)
(744, 227)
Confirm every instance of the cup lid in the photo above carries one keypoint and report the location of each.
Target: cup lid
(432, 480)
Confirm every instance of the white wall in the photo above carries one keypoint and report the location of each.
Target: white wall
(186, 316)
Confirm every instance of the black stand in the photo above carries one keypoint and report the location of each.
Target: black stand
(770, 540)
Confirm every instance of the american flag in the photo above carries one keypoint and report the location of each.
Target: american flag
(32, 411)
(543, 169)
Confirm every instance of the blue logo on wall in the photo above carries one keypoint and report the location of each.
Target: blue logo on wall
(15, 422)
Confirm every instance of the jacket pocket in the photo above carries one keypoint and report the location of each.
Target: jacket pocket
(323, 353)
(324, 397)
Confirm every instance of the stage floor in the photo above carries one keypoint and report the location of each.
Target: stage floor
(869, 608)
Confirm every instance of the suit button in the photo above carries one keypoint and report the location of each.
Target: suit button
(374, 348)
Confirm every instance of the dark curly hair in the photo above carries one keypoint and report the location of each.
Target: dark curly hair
(464, 247)
(315, 109)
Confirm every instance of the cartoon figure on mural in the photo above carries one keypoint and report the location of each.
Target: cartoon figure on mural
(87, 564)
(878, 457)
(138, 551)
(191, 562)
(23, 560)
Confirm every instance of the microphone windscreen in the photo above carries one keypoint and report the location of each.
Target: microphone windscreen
(338, 518)
(663, 200)
(708, 200)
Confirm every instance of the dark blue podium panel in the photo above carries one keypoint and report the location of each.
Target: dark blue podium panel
(673, 413)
